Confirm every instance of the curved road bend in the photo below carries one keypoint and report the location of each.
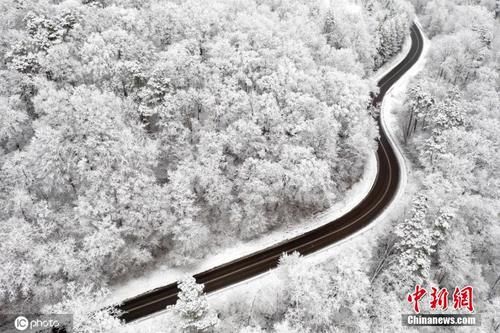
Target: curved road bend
(378, 199)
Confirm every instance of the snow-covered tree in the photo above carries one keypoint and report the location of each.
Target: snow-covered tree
(419, 103)
(414, 244)
(81, 301)
(192, 308)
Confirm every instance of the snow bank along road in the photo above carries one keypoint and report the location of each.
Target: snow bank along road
(378, 199)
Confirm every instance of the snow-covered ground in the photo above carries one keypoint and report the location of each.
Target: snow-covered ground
(163, 274)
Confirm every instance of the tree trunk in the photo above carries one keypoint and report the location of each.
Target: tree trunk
(408, 128)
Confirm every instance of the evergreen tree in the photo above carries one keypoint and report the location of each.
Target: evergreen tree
(192, 308)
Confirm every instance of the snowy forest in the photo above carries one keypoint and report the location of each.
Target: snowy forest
(137, 132)
(448, 232)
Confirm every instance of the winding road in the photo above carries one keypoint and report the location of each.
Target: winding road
(376, 201)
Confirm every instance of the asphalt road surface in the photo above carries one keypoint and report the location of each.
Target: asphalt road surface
(377, 200)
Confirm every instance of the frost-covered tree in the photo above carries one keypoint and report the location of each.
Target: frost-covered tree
(414, 244)
(419, 104)
(14, 124)
(192, 308)
(393, 18)
(81, 301)
(320, 299)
